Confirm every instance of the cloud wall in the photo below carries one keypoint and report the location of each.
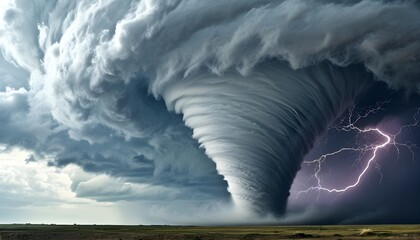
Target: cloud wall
(91, 83)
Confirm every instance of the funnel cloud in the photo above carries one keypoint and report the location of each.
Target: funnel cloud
(211, 103)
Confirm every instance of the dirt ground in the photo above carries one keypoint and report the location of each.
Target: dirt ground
(93, 232)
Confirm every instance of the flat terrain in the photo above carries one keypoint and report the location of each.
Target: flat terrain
(74, 232)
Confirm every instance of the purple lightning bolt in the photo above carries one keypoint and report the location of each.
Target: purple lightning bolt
(388, 140)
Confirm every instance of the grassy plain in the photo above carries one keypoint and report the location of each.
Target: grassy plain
(93, 232)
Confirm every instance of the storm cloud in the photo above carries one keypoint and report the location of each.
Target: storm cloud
(194, 99)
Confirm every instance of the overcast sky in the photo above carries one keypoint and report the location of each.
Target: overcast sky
(199, 112)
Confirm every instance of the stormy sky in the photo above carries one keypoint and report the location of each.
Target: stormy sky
(209, 112)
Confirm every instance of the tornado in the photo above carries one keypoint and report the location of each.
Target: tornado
(255, 81)
(257, 128)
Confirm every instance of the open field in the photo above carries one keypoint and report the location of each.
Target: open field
(74, 232)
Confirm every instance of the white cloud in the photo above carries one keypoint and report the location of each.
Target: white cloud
(34, 192)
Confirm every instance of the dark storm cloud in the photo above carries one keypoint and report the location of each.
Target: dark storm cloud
(386, 194)
(174, 159)
(392, 102)
(388, 197)
(257, 81)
